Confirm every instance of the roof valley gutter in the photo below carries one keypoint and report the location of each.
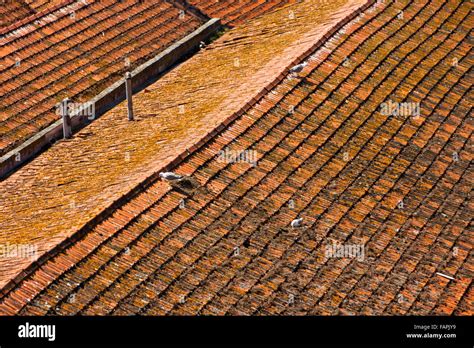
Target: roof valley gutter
(151, 178)
(142, 76)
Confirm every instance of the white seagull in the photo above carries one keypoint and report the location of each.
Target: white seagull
(298, 68)
(296, 222)
(170, 176)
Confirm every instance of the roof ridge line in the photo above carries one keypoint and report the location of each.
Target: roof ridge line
(149, 180)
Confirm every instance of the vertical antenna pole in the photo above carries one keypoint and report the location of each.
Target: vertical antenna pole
(67, 132)
(128, 91)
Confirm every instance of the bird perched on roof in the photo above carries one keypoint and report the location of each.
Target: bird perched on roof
(298, 68)
(296, 222)
(185, 184)
(202, 45)
(170, 176)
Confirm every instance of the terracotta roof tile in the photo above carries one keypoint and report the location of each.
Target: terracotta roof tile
(12, 11)
(237, 12)
(398, 185)
(41, 5)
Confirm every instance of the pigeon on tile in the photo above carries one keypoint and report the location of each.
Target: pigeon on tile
(296, 222)
(170, 176)
(298, 68)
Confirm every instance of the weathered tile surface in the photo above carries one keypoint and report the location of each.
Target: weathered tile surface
(57, 193)
(236, 12)
(12, 11)
(399, 185)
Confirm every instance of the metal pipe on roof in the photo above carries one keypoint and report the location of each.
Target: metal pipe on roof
(67, 131)
(129, 93)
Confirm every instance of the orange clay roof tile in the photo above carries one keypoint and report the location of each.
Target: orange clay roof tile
(398, 185)
(41, 5)
(12, 11)
(237, 12)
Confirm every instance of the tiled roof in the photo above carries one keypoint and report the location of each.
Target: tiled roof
(41, 5)
(69, 184)
(397, 184)
(12, 11)
(236, 12)
(77, 50)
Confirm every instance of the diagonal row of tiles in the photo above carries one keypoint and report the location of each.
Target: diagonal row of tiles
(14, 11)
(398, 185)
(236, 12)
